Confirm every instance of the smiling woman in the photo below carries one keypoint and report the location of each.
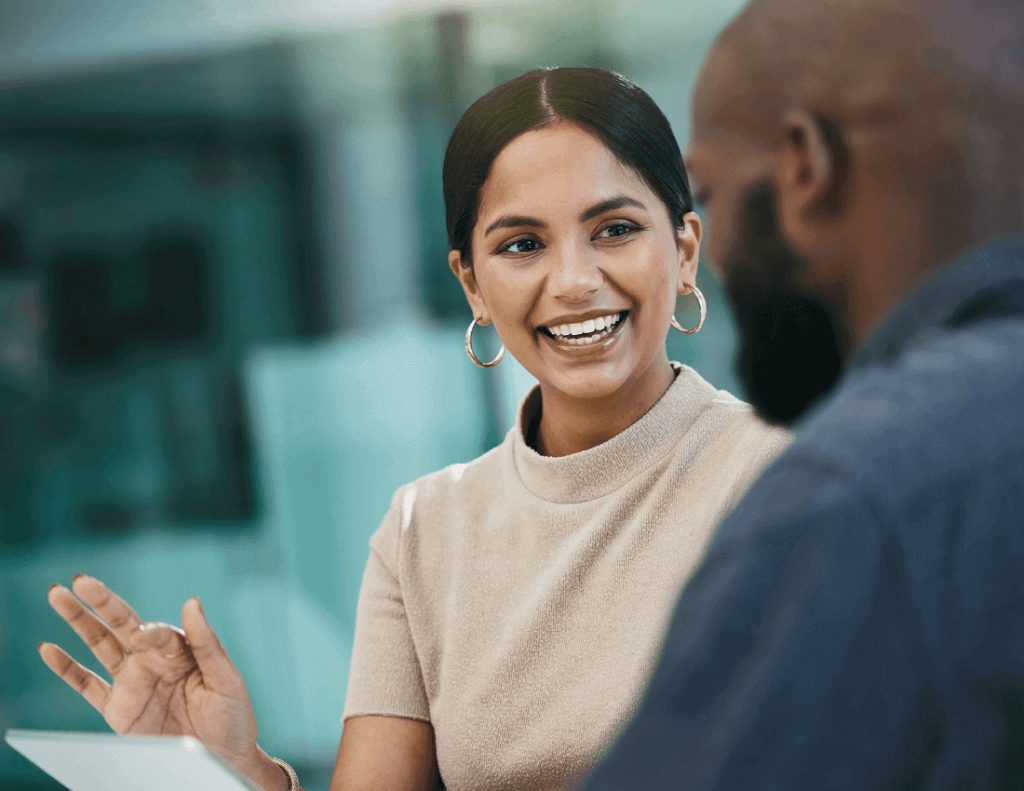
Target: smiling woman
(596, 244)
(567, 202)
(512, 607)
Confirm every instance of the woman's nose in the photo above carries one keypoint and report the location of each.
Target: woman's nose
(574, 274)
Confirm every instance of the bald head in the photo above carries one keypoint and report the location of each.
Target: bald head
(938, 86)
(869, 56)
(889, 133)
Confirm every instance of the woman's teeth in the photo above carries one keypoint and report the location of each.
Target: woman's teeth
(586, 332)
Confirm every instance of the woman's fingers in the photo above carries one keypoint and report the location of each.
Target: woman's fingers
(111, 608)
(90, 686)
(219, 674)
(101, 641)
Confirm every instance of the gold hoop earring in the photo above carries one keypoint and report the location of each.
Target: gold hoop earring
(703, 313)
(469, 348)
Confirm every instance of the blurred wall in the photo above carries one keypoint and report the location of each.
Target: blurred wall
(236, 431)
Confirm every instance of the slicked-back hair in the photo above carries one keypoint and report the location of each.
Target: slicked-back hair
(619, 114)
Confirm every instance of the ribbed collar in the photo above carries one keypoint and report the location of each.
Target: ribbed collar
(590, 474)
(976, 275)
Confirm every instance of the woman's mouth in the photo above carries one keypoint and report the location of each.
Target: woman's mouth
(587, 332)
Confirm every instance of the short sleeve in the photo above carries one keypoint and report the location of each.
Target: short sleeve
(385, 676)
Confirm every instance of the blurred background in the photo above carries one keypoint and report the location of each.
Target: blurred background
(227, 327)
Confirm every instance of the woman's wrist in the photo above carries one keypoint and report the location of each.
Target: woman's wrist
(263, 771)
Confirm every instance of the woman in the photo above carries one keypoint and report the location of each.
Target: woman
(512, 607)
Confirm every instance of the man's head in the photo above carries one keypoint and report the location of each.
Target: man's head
(842, 149)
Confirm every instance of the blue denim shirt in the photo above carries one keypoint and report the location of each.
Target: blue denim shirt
(858, 621)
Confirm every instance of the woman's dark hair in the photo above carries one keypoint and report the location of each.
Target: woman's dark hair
(606, 105)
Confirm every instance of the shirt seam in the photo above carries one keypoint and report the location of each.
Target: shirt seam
(400, 579)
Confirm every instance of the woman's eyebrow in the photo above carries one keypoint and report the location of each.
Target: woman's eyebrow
(610, 205)
(519, 221)
(514, 221)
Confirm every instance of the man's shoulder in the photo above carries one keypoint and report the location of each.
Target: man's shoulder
(930, 445)
(949, 408)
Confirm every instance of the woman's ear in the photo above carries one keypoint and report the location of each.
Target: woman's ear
(469, 287)
(688, 244)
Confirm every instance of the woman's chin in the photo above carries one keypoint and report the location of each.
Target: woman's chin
(589, 383)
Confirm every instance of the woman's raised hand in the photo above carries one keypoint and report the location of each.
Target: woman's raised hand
(165, 680)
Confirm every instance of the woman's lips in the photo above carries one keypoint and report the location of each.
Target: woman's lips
(597, 339)
(584, 328)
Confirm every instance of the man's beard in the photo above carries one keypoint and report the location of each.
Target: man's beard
(793, 340)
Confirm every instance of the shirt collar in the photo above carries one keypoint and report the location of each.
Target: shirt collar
(597, 472)
(935, 301)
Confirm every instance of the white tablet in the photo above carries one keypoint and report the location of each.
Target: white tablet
(108, 762)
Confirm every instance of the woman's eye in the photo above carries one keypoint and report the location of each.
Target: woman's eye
(618, 229)
(521, 246)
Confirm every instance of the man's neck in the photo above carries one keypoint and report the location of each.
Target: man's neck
(882, 279)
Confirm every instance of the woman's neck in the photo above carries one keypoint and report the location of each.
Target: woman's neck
(570, 425)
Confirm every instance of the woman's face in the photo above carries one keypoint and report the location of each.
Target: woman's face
(577, 263)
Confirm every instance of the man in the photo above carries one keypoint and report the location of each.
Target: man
(858, 621)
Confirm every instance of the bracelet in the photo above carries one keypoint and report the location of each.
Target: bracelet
(293, 779)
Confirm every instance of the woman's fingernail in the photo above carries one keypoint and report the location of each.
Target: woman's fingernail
(40, 645)
(199, 604)
(52, 587)
(77, 577)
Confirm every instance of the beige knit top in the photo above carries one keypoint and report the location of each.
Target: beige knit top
(518, 602)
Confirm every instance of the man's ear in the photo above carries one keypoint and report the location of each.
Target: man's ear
(688, 244)
(469, 287)
(811, 168)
